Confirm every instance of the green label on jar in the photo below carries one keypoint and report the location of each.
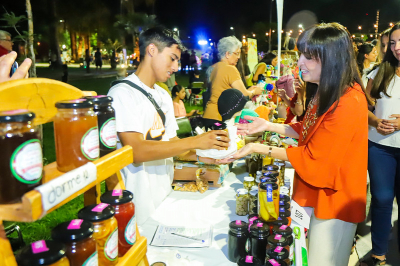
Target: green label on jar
(26, 162)
(130, 231)
(90, 144)
(108, 133)
(92, 260)
(111, 247)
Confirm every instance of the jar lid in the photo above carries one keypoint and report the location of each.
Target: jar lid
(258, 173)
(280, 221)
(249, 179)
(218, 126)
(272, 262)
(242, 191)
(99, 99)
(252, 217)
(254, 188)
(117, 197)
(96, 212)
(284, 197)
(284, 212)
(75, 230)
(269, 179)
(20, 115)
(271, 173)
(277, 240)
(265, 184)
(284, 230)
(239, 225)
(42, 252)
(279, 163)
(74, 104)
(248, 261)
(270, 167)
(254, 192)
(259, 229)
(277, 253)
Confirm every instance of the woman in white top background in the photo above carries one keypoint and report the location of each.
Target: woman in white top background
(384, 146)
(366, 59)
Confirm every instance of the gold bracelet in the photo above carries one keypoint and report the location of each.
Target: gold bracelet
(299, 102)
(269, 153)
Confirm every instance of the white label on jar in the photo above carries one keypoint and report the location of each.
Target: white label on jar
(92, 260)
(130, 231)
(26, 162)
(111, 247)
(90, 144)
(108, 133)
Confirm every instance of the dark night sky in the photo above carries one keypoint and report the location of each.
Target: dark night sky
(214, 17)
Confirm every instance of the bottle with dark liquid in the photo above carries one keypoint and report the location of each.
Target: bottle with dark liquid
(21, 159)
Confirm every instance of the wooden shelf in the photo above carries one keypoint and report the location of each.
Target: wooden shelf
(136, 253)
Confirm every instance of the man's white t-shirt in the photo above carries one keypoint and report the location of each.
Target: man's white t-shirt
(150, 182)
(385, 107)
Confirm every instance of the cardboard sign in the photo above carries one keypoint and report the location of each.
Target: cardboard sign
(300, 214)
(59, 189)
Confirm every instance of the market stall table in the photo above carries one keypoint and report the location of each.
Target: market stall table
(216, 207)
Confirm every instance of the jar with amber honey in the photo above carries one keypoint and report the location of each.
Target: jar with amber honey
(105, 231)
(76, 134)
(43, 252)
(121, 200)
(77, 236)
(21, 159)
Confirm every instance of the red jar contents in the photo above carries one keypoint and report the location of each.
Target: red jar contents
(121, 200)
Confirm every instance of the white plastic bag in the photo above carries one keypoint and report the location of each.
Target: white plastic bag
(221, 154)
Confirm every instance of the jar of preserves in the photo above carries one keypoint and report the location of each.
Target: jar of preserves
(267, 160)
(275, 241)
(284, 204)
(270, 167)
(43, 252)
(282, 166)
(21, 159)
(248, 182)
(259, 239)
(287, 232)
(269, 178)
(237, 238)
(249, 261)
(105, 231)
(283, 212)
(272, 262)
(76, 134)
(284, 198)
(279, 254)
(242, 202)
(77, 236)
(106, 122)
(253, 195)
(268, 201)
(121, 200)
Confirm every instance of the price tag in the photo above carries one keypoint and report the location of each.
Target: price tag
(301, 215)
(59, 189)
(178, 165)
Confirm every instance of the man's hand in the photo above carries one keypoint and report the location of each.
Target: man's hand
(258, 125)
(6, 62)
(214, 139)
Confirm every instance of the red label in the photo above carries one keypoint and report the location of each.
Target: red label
(278, 237)
(278, 249)
(283, 227)
(238, 222)
(75, 224)
(39, 247)
(249, 259)
(100, 207)
(117, 192)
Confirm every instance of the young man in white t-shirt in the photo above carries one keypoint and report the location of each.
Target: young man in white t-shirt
(140, 126)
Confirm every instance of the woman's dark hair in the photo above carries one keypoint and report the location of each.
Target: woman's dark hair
(267, 59)
(330, 44)
(363, 49)
(176, 89)
(387, 70)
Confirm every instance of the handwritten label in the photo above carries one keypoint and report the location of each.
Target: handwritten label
(39, 247)
(301, 215)
(75, 224)
(249, 259)
(100, 207)
(278, 237)
(278, 249)
(117, 192)
(59, 189)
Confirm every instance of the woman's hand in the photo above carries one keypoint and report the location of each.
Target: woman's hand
(282, 93)
(300, 86)
(258, 125)
(246, 150)
(394, 123)
(256, 90)
(384, 128)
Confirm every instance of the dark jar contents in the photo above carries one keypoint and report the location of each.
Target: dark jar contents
(277, 240)
(284, 198)
(21, 159)
(237, 238)
(121, 200)
(77, 235)
(76, 134)
(249, 261)
(106, 121)
(43, 252)
(272, 262)
(285, 205)
(279, 254)
(259, 239)
(284, 212)
(287, 232)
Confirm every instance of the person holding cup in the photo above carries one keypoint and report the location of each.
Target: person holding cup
(330, 161)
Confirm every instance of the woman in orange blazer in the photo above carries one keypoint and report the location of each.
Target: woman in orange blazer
(331, 158)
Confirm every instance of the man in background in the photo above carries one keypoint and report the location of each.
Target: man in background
(5, 42)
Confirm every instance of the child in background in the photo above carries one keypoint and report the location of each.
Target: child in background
(178, 94)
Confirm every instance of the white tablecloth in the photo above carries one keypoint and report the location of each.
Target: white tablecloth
(216, 207)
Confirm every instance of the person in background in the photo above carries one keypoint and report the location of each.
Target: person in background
(356, 43)
(224, 76)
(178, 94)
(261, 68)
(384, 147)
(296, 104)
(97, 59)
(383, 44)
(88, 59)
(366, 59)
(6, 63)
(196, 77)
(6, 42)
(329, 179)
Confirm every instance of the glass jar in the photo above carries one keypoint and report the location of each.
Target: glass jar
(106, 122)
(277, 241)
(268, 201)
(284, 212)
(76, 134)
(269, 178)
(287, 232)
(258, 176)
(267, 160)
(242, 202)
(279, 254)
(284, 204)
(282, 166)
(121, 200)
(248, 182)
(237, 238)
(21, 159)
(105, 231)
(43, 252)
(77, 235)
(259, 239)
(270, 167)
(284, 198)
(219, 126)
(249, 261)
(253, 195)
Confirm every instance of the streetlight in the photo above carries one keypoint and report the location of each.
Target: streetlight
(375, 26)
(359, 27)
(232, 28)
(273, 30)
(254, 35)
(300, 26)
(391, 24)
(266, 33)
